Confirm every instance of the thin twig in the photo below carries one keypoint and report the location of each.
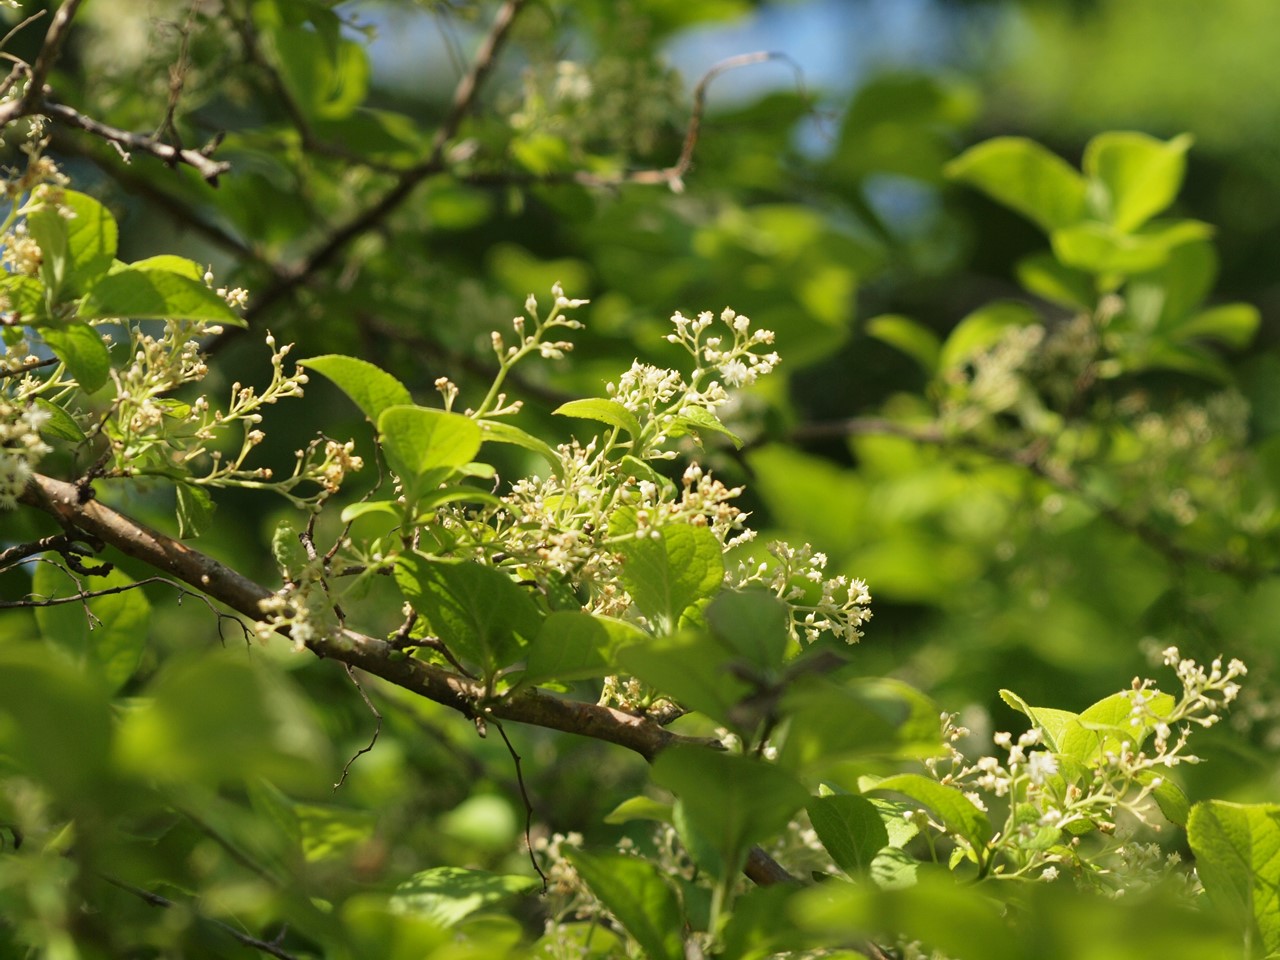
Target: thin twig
(49, 53)
(528, 804)
(156, 900)
(198, 160)
(377, 726)
(464, 99)
(672, 176)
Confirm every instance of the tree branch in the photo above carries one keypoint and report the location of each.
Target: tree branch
(198, 160)
(464, 98)
(61, 500)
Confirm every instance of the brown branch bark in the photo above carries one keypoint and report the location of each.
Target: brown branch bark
(62, 501)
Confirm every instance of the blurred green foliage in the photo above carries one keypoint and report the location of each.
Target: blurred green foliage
(1113, 493)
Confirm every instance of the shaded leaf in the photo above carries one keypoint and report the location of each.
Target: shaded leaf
(636, 893)
(1025, 177)
(370, 387)
(447, 895)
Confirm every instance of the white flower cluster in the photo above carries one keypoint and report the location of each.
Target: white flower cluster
(21, 448)
(1046, 793)
(817, 603)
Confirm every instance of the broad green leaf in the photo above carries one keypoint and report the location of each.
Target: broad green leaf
(353, 511)
(851, 829)
(635, 891)
(751, 624)
(155, 295)
(24, 297)
(605, 411)
(1237, 848)
(195, 509)
(1051, 723)
(55, 724)
(1043, 275)
(639, 808)
(479, 613)
(49, 230)
(447, 895)
(572, 645)
(370, 388)
(168, 263)
(1103, 727)
(109, 636)
(950, 805)
(697, 420)
(60, 425)
(419, 440)
(499, 431)
(982, 329)
(670, 569)
(694, 670)
(328, 79)
(1233, 324)
(212, 719)
(914, 339)
(1025, 177)
(84, 244)
(1171, 800)
(1139, 174)
(729, 801)
(332, 833)
(1100, 248)
(832, 723)
(80, 347)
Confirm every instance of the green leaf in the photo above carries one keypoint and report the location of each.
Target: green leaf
(1106, 725)
(1233, 324)
(751, 624)
(447, 895)
(1043, 275)
(1139, 175)
(914, 339)
(419, 441)
(1052, 724)
(195, 510)
(832, 723)
(851, 829)
(693, 669)
(332, 833)
(79, 249)
(25, 298)
(1171, 800)
(636, 892)
(168, 263)
(499, 431)
(150, 294)
(572, 645)
(353, 511)
(1025, 177)
(1237, 848)
(212, 719)
(950, 805)
(479, 613)
(697, 420)
(55, 724)
(982, 329)
(110, 637)
(670, 569)
(80, 347)
(605, 411)
(60, 425)
(1100, 248)
(639, 808)
(729, 802)
(370, 388)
